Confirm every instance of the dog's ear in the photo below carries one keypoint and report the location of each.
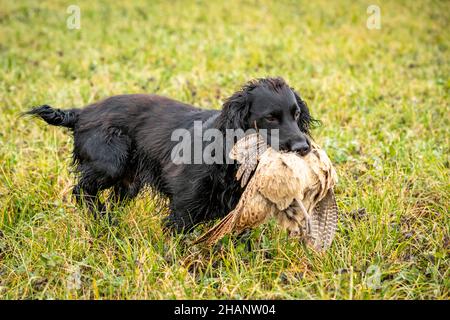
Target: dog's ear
(306, 122)
(235, 111)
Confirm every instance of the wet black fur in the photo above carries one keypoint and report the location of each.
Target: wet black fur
(124, 143)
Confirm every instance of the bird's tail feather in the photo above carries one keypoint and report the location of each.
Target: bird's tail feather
(214, 234)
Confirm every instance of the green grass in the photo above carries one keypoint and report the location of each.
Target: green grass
(383, 97)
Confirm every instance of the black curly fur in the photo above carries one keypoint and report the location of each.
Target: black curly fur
(124, 143)
(55, 117)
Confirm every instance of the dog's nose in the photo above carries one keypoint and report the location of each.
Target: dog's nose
(303, 148)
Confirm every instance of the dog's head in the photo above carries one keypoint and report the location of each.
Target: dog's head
(269, 103)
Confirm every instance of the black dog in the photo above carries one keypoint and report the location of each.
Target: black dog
(124, 142)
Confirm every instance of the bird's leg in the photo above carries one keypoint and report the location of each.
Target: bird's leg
(293, 213)
(307, 217)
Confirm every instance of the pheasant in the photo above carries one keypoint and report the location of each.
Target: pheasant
(296, 191)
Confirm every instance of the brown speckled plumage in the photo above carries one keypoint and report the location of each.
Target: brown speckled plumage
(296, 191)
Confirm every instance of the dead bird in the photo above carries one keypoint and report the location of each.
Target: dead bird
(295, 190)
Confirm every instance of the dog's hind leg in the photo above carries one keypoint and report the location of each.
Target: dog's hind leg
(102, 159)
(128, 186)
(86, 192)
(125, 191)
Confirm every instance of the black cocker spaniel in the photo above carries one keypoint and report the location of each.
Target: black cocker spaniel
(126, 142)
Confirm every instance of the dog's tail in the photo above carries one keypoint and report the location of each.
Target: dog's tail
(55, 117)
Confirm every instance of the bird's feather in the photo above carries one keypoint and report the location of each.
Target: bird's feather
(296, 191)
(219, 230)
(247, 152)
(324, 222)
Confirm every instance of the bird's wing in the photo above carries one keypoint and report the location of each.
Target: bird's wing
(324, 222)
(247, 152)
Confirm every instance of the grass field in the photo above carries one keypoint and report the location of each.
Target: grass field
(382, 95)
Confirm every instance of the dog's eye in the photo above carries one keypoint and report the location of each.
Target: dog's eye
(296, 115)
(271, 118)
